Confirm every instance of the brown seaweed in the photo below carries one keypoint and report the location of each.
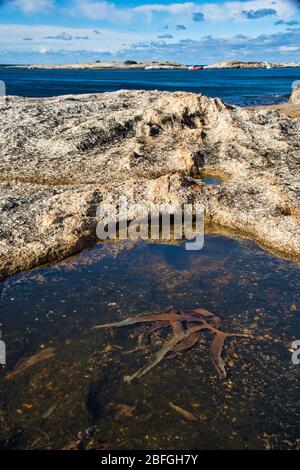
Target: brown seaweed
(186, 327)
(184, 413)
(30, 361)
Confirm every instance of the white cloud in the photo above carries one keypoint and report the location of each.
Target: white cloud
(99, 10)
(109, 11)
(228, 10)
(267, 47)
(289, 48)
(60, 37)
(173, 8)
(205, 50)
(32, 6)
(233, 10)
(125, 43)
(12, 38)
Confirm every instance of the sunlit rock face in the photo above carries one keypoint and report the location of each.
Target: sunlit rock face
(60, 157)
(295, 96)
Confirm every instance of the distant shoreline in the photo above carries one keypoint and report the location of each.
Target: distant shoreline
(154, 65)
(128, 65)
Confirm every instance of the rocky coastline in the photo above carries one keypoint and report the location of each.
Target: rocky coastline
(155, 65)
(238, 64)
(61, 157)
(291, 109)
(112, 65)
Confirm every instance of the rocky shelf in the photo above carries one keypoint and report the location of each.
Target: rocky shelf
(61, 156)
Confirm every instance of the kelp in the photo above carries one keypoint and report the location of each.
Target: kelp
(184, 413)
(186, 328)
(30, 361)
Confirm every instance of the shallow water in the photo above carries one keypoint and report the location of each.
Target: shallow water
(213, 181)
(82, 385)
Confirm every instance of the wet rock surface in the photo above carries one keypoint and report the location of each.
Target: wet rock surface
(61, 157)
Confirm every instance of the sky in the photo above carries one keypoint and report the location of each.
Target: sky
(190, 32)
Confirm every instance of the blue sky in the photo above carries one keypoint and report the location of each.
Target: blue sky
(200, 31)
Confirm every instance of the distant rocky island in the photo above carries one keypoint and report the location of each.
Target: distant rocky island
(114, 65)
(156, 65)
(237, 64)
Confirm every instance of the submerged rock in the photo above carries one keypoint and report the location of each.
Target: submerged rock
(97, 396)
(61, 156)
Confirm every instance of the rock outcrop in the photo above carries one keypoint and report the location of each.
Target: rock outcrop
(61, 157)
(295, 96)
(238, 64)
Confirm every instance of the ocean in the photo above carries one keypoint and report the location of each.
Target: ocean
(247, 87)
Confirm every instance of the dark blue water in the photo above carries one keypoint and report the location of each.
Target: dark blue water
(240, 87)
